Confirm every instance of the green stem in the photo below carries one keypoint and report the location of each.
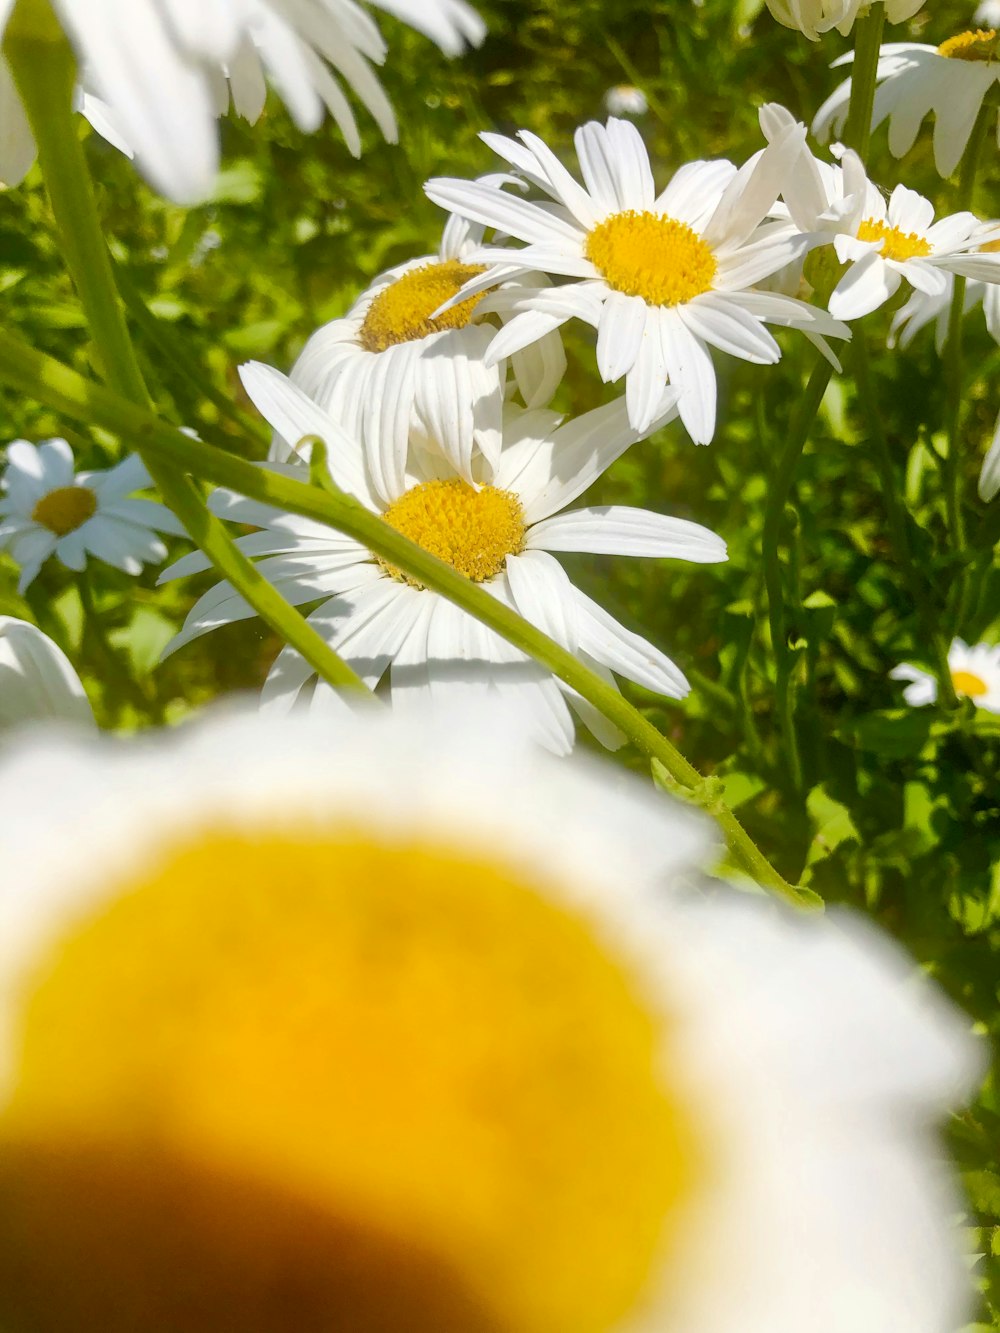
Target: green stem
(868, 39)
(63, 390)
(953, 360)
(778, 491)
(896, 514)
(45, 73)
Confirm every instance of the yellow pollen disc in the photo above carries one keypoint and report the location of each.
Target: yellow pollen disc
(475, 531)
(966, 682)
(978, 45)
(65, 509)
(991, 247)
(402, 311)
(653, 256)
(307, 1081)
(896, 244)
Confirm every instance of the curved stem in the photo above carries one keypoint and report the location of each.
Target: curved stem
(896, 514)
(45, 73)
(65, 391)
(778, 491)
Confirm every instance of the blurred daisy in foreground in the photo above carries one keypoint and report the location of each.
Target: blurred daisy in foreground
(47, 508)
(624, 99)
(975, 674)
(168, 68)
(952, 80)
(815, 17)
(389, 367)
(37, 679)
(499, 532)
(662, 277)
(366, 1026)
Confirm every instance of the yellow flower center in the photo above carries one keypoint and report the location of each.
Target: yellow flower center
(978, 45)
(991, 247)
(966, 682)
(65, 509)
(475, 531)
(896, 244)
(402, 311)
(310, 1080)
(653, 256)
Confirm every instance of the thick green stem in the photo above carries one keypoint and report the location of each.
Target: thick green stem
(896, 514)
(953, 361)
(867, 41)
(778, 491)
(65, 391)
(45, 73)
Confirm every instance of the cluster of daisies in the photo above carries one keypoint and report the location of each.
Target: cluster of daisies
(433, 394)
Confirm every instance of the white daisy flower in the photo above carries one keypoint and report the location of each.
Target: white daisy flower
(624, 99)
(37, 679)
(923, 309)
(951, 80)
(815, 17)
(662, 277)
(975, 674)
(388, 367)
(369, 1025)
(499, 531)
(988, 14)
(989, 476)
(47, 508)
(168, 68)
(887, 242)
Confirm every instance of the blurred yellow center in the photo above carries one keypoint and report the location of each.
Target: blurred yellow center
(65, 509)
(966, 682)
(649, 255)
(896, 244)
(991, 247)
(305, 1081)
(978, 45)
(402, 311)
(475, 531)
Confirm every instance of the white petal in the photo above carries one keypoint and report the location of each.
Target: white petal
(621, 530)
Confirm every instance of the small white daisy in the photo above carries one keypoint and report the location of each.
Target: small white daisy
(499, 531)
(887, 242)
(168, 68)
(388, 367)
(815, 17)
(47, 508)
(662, 277)
(975, 674)
(988, 14)
(951, 80)
(923, 309)
(37, 679)
(625, 100)
(376, 1026)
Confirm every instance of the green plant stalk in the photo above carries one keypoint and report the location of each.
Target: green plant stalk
(857, 135)
(45, 73)
(778, 491)
(868, 39)
(63, 390)
(953, 359)
(896, 514)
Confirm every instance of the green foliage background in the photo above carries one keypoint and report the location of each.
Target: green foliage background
(899, 813)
